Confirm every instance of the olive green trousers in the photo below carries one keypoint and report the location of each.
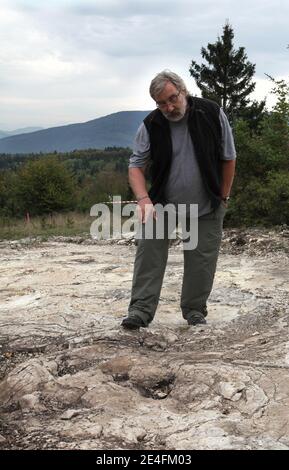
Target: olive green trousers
(199, 269)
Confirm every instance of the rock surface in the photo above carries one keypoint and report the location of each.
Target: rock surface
(71, 378)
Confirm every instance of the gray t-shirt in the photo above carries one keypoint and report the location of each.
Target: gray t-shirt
(184, 185)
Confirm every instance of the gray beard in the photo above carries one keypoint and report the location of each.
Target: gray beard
(178, 116)
(174, 118)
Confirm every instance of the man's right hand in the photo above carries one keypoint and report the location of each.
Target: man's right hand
(146, 209)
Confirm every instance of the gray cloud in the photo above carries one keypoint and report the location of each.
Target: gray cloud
(132, 8)
(95, 57)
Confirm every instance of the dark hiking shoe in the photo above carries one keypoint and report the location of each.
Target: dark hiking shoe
(197, 318)
(132, 323)
(205, 311)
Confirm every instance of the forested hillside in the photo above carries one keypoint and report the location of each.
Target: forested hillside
(47, 183)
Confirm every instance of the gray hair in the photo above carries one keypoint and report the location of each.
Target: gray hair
(161, 79)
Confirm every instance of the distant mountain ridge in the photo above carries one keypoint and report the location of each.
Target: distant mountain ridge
(23, 130)
(117, 129)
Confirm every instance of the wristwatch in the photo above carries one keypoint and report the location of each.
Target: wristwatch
(226, 199)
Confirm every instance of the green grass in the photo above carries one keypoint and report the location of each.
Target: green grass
(69, 224)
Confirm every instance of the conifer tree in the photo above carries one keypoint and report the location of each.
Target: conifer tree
(227, 77)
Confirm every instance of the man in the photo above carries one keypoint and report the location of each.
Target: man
(187, 143)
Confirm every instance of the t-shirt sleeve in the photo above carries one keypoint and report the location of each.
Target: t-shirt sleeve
(141, 148)
(228, 145)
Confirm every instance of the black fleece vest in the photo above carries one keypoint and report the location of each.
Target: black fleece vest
(206, 133)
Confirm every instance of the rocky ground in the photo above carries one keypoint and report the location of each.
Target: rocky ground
(71, 378)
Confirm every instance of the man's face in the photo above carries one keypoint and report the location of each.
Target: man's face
(172, 103)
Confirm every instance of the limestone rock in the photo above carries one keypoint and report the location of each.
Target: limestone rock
(26, 379)
(71, 378)
(31, 402)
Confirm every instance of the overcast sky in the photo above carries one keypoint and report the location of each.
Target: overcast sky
(67, 61)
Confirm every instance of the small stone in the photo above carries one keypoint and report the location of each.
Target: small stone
(141, 436)
(30, 402)
(122, 242)
(69, 414)
(231, 391)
